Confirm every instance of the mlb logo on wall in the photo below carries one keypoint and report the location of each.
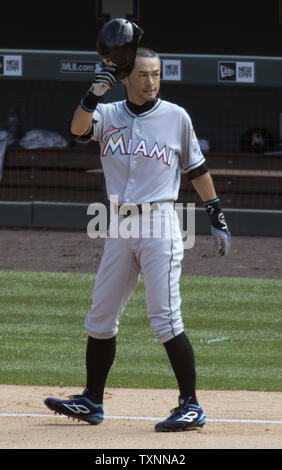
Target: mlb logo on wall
(239, 72)
(11, 65)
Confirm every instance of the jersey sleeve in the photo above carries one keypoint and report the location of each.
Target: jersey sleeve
(98, 121)
(95, 130)
(191, 155)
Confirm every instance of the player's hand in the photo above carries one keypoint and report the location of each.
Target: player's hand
(103, 81)
(219, 228)
(222, 240)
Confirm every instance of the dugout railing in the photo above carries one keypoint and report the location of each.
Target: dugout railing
(39, 185)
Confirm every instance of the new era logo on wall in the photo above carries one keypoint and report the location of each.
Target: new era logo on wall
(239, 72)
(171, 69)
(227, 71)
(11, 65)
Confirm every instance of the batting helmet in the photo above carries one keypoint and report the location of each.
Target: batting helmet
(117, 44)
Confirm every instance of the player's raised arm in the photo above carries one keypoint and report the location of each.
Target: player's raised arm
(116, 45)
(104, 80)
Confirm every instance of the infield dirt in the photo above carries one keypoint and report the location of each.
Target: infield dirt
(224, 429)
(236, 419)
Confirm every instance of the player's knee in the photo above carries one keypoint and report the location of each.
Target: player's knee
(168, 329)
(98, 331)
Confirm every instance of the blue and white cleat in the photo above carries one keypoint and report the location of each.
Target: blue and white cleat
(78, 407)
(185, 417)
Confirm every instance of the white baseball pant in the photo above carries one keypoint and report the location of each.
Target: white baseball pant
(157, 254)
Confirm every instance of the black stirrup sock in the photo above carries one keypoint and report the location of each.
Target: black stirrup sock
(100, 354)
(182, 359)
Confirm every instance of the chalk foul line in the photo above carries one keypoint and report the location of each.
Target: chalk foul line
(146, 418)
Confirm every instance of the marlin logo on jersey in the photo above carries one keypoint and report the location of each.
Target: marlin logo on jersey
(124, 147)
(112, 130)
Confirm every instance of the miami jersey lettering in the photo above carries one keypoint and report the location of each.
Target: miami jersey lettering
(138, 166)
(127, 148)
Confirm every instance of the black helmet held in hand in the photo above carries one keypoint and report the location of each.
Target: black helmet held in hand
(117, 44)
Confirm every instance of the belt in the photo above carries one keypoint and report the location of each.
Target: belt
(131, 208)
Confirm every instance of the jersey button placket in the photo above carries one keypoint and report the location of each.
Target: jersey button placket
(130, 189)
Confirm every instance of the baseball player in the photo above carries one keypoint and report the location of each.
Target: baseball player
(145, 143)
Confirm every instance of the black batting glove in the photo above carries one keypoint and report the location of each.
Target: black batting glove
(219, 228)
(103, 81)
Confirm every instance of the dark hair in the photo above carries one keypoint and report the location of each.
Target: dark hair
(146, 52)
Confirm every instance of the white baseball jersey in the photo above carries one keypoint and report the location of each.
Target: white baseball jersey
(143, 155)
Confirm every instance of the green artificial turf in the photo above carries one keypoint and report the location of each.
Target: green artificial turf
(234, 325)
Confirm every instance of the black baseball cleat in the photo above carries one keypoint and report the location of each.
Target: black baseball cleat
(78, 407)
(185, 417)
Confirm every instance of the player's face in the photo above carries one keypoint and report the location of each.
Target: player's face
(143, 83)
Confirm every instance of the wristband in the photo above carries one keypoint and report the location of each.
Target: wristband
(211, 202)
(89, 102)
(214, 211)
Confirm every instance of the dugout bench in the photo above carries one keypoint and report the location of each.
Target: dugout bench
(74, 174)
